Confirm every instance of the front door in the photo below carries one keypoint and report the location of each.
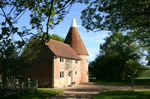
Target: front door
(69, 78)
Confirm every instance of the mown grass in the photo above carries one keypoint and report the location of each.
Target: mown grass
(124, 94)
(40, 93)
(140, 81)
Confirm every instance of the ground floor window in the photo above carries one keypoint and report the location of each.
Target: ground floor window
(62, 74)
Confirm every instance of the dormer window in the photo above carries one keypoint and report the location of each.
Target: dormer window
(62, 60)
(76, 61)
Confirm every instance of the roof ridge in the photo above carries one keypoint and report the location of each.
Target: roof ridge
(60, 42)
(63, 50)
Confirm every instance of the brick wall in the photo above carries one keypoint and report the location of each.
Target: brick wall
(84, 69)
(42, 69)
(58, 67)
(76, 68)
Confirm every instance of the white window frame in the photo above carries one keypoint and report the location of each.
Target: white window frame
(61, 74)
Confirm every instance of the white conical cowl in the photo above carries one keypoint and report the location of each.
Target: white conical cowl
(74, 23)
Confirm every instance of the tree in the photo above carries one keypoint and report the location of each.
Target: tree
(117, 15)
(113, 58)
(130, 16)
(43, 13)
(34, 47)
(133, 69)
(10, 64)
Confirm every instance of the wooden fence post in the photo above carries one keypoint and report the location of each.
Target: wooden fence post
(22, 84)
(17, 83)
(28, 82)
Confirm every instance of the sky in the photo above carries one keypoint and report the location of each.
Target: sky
(92, 40)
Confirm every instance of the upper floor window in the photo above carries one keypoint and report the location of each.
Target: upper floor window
(76, 61)
(62, 60)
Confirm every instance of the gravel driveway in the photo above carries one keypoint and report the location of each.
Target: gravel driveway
(88, 91)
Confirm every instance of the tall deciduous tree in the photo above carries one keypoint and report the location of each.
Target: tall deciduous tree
(114, 56)
(43, 13)
(35, 45)
(119, 15)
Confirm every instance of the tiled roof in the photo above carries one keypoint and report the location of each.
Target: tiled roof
(74, 40)
(62, 50)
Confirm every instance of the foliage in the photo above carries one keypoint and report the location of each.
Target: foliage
(120, 15)
(133, 69)
(117, 15)
(115, 57)
(35, 45)
(146, 73)
(43, 14)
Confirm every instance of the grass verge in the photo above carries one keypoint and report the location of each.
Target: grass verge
(124, 94)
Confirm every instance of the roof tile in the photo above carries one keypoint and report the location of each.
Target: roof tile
(62, 50)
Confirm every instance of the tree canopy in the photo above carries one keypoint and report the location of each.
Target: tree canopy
(119, 56)
(130, 16)
(117, 15)
(35, 45)
(43, 14)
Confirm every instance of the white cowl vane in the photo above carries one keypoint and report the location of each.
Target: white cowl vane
(74, 23)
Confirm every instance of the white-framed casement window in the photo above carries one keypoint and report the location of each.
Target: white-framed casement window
(76, 61)
(62, 74)
(62, 60)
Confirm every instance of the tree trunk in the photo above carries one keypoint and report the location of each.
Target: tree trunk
(132, 83)
(4, 79)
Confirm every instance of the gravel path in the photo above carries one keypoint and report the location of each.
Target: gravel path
(88, 91)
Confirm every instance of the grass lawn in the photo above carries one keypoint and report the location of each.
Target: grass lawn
(124, 94)
(41, 93)
(139, 81)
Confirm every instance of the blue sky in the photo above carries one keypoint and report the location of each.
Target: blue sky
(92, 40)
